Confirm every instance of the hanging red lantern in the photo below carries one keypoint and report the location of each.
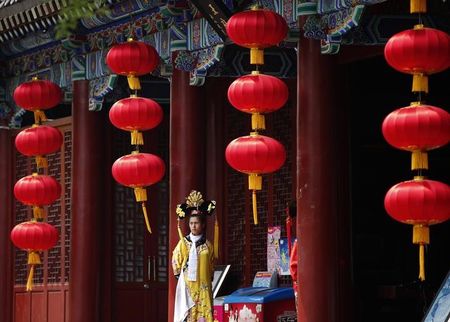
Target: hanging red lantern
(136, 114)
(37, 95)
(254, 155)
(420, 51)
(131, 59)
(34, 237)
(257, 29)
(420, 203)
(38, 141)
(258, 94)
(138, 170)
(37, 191)
(417, 128)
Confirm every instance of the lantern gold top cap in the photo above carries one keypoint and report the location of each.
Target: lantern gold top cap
(129, 39)
(35, 78)
(418, 27)
(255, 72)
(419, 178)
(256, 7)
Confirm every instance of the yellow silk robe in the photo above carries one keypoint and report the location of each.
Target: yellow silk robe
(201, 289)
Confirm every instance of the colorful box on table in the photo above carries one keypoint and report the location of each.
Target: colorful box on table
(260, 304)
(218, 312)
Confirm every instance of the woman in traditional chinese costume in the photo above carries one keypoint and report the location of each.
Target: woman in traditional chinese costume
(193, 263)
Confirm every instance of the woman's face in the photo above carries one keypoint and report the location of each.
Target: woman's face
(196, 226)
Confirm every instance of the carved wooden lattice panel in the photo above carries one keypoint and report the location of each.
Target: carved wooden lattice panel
(277, 192)
(129, 224)
(56, 261)
(54, 219)
(236, 125)
(282, 181)
(21, 214)
(162, 252)
(67, 148)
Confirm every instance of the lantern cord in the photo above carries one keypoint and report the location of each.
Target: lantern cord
(39, 117)
(255, 209)
(41, 162)
(38, 213)
(422, 262)
(137, 138)
(147, 222)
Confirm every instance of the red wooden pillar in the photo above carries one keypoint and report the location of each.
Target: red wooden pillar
(6, 198)
(216, 99)
(187, 155)
(88, 208)
(322, 189)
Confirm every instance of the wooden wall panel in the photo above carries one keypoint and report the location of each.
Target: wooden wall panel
(38, 307)
(131, 305)
(47, 301)
(22, 307)
(55, 306)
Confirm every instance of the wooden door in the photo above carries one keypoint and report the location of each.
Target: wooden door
(140, 259)
(48, 300)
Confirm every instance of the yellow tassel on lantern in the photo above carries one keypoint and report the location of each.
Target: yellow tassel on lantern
(420, 83)
(147, 222)
(141, 196)
(256, 56)
(421, 236)
(41, 162)
(133, 82)
(38, 212)
(418, 6)
(254, 183)
(258, 122)
(419, 160)
(33, 259)
(137, 138)
(39, 117)
(216, 238)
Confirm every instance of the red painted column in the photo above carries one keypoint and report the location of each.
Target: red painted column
(322, 189)
(88, 208)
(6, 222)
(187, 155)
(216, 99)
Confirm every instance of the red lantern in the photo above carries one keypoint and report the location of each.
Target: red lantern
(37, 141)
(419, 51)
(417, 128)
(38, 95)
(254, 155)
(37, 191)
(138, 170)
(258, 93)
(131, 59)
(421, 203)
(257, 29)
(34, 237)
(136, 114)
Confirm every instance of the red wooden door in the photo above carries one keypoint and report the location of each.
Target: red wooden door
(139, 258)
(46, 303)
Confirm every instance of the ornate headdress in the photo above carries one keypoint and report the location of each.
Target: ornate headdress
(194, 201)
